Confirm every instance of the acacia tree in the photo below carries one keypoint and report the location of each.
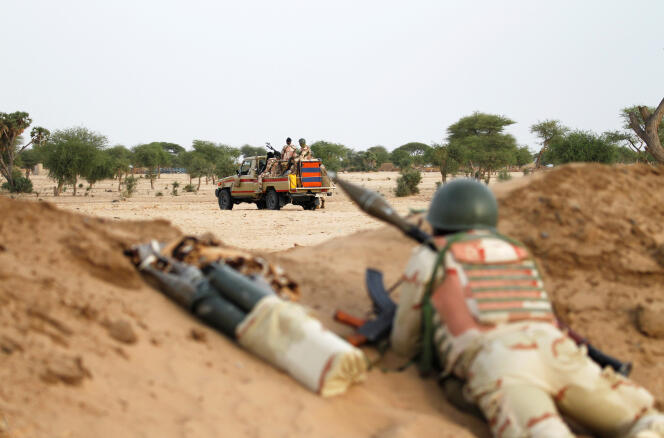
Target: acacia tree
(381, 154)
(441, 156)
(629, 140)
(100, 168)
(580, 146)
(414, 153)
(71, 153)
(478, 142)
(333, 155)
(248, 150)
(151, 156)
(120, 162)
(12, 125)
(523, 156)
(645, 123)
(29, 158)
(221, 159)
(547, 131)
(196, 165)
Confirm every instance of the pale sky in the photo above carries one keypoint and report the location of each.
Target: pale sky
(361, 73)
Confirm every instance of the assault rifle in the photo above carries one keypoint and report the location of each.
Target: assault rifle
(277, 154)
(374, 205)
(372, 330)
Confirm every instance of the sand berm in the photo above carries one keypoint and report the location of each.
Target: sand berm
(88, 349)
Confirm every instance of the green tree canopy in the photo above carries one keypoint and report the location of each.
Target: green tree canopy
(29, 158)
(12, 125)
(71, 153)
(197, 165)
(635, 130)
(580, 146)
(413, 153)
(547, 131)
(120, 162)
(333, 155)
(479, 143)
(171, 148)
(381, 154)
(221, 159)
(154, 156)
(151, 156)
(360, 160)
(439, 155)
(252, 151)
(100, 168)
(523, 156)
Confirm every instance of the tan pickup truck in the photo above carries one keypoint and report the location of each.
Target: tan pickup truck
(305, 187)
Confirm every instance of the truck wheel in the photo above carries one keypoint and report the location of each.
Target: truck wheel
(311, 204)
(261, 204)
(225, 201)
(272, 200)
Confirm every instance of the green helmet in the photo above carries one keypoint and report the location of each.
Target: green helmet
(302, 142)
(463, 204)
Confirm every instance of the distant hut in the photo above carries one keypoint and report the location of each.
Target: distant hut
(387, 167)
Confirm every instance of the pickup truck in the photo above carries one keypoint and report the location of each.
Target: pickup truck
(304, 187)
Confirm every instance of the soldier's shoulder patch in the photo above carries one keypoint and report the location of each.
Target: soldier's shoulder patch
(487, 250)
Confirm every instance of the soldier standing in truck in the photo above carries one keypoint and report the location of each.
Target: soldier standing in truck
(305, 151)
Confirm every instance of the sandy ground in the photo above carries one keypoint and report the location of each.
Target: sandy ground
(87, 348)
(244, 226)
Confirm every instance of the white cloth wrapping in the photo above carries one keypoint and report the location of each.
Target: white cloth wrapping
(285, 335)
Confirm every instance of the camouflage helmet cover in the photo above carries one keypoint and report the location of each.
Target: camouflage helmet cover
(302, 142)
(463, 204)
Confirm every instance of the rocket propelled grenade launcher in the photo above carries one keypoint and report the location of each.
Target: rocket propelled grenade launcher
(247, 309)
(374, 205)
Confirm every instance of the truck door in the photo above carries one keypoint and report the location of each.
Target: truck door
(246, 181)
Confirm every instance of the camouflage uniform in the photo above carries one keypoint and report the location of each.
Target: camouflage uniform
(287, 152)
(271, 169)
(491, 323)
(480, 307)
(305, 153)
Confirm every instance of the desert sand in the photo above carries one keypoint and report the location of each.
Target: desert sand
(244, 226)
(87, 348)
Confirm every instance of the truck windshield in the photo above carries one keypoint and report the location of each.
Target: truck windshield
(244, 169)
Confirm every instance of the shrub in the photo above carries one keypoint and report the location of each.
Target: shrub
(189, 188)
(504, 175)
(175, 184)
(159, 194)
(438, 184)
(21, 183)
(130, 186)
(408, 181)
